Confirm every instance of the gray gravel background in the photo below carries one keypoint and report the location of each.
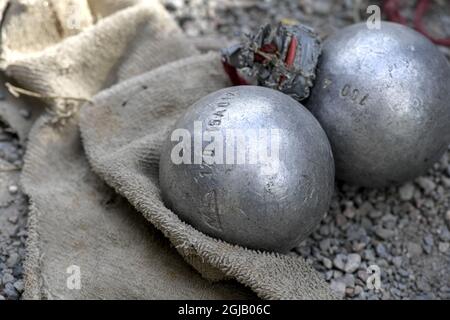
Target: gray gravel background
(404, 230)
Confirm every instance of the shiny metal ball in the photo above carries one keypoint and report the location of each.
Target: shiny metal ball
(271, 201)
(383, 98)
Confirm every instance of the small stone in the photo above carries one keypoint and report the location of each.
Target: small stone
(362, 274)
(324, 231)
(12, 260)
(328, 275)
(18, 270)
(384, 234)
(404, 273)
(446, 182)
(375, 214)
(423, 285)
(358, 246)
(397, 261)
(353, 263)
(303, 251)
(349, 292)
(355, 233)
(13, 189)
(444, 246)
(10, 291)
(444, 234)
(325, 245)
(426, 184)
(339, 261)
(406, 191)
(18, 285)
(414, 250)
(365, 209)
(349, 212)
(381, 250)
(428, 240)
(366, 223)
(349, 280)
(341, 220)
(427, 248)
(358, 290)
(369, 255)
(338, 288)
(327, 263)
(396, 292)
(447, 215)
(7, 278)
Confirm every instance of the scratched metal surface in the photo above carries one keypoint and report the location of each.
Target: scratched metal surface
(263, 205)
(382, 97)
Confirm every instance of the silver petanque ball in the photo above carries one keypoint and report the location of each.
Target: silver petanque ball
(248, 165)
(383, 98)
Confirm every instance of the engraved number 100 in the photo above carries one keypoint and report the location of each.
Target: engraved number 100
(354, 94)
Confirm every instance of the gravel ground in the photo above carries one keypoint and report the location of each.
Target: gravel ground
(13, 215)
(403, 230)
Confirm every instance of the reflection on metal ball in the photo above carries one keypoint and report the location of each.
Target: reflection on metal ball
(383, 98)
(248, 165)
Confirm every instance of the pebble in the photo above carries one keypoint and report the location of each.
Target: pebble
(443, 246)
(353, 263)
(13, 189)
(369, 255)
(10, 292)
(338, 288)
(339, 261)
(428, 240)
(7, 278)
(325, 245)
(384, 234)
(12, 260)
(358, 290)
(406, 191)
(349, 212)
(414, 250)
(397, 261)
(327, 263)
(362, 274)
(428, 243)
(349, 280)
(375, 214)
(426, 184)
(444, 234)
(381, 250)
(423, 285)
(18, 285)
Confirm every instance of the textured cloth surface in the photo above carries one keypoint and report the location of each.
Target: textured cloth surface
(153, 73)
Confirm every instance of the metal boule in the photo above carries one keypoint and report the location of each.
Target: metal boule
(383, 98)
(248, 165)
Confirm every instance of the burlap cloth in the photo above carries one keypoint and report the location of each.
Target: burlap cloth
(137, 72)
